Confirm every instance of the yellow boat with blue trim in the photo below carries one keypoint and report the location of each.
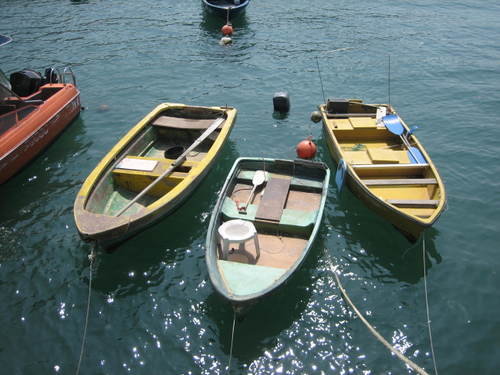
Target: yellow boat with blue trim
(263, 226)
(151, 170)
(384, 163)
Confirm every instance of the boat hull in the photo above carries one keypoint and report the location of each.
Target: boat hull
(90, 224)
(222, 11)
(244, 282)
(24, 141)
(108, 228)
(410, 226)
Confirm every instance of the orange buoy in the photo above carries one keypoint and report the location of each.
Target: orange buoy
(227, 29)
(306, 149)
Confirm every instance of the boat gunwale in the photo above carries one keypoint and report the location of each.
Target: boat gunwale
(211, 258)
(232, 9)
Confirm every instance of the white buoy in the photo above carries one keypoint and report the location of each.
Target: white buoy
(225, 40)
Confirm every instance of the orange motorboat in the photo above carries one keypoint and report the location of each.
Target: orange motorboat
(33, 111)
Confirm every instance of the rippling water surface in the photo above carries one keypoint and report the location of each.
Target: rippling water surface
(153, 309)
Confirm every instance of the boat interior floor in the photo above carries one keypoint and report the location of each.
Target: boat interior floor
(160, 147)
(121, 197)
(275, 251)
(386, 169)
(296, 199)
(298, 205)
(163, 150)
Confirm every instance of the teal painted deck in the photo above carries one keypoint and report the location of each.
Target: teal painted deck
(245, 279)
(296, 222)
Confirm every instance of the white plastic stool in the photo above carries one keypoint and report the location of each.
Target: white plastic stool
(238, 231)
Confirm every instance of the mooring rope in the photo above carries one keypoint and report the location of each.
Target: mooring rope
(91, 260)
(427, 305)
(232, 341)
(379, 337)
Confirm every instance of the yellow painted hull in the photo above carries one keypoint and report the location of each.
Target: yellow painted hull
(112, 184)
(379, 168)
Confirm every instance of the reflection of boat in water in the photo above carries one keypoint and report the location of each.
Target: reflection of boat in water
(275, 228)
(34, 110)
(226, 8)
(5, 40)
(151, 170)
(384, 164)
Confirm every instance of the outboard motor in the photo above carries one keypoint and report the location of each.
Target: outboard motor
(25, 82)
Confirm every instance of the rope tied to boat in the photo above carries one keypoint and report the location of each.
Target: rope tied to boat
(377, 335)
(91, 258)
(232, 342)
(427, 305)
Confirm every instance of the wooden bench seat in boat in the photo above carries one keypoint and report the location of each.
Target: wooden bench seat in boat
(135, 173)
(363, 122)
(414, 202)
(273, 200)
(184, 123)
(292, 221)
(395, 165)
(296, 182)
(346, 115)
(396, 170)
(400, 181)
(370, 156)
(380, 156)
(357, 157)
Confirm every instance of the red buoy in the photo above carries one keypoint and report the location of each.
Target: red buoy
(227, 29)
(306, 149)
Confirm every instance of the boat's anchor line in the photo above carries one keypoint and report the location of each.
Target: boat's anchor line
(427, 306)
(84, 337)
(232, 342)
(379, 337)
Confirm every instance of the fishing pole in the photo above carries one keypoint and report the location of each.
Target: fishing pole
(389, 80)
(320, 80)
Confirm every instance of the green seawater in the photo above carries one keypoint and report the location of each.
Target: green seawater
(153, 309)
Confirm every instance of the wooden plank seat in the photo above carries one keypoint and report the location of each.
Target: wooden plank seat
(386, 171)
(414, 202)
(296, 182)
(381, 156)
(184, 123)
(394, 165)
(146, 172)
(400, 181)
(273, 201)
(347, 115)
(298, 222)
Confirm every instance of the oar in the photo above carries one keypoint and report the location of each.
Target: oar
(175, 164)
(258, 179)
(393, 124)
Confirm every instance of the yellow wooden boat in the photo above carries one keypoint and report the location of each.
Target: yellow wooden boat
(384, 164)
(151, 170)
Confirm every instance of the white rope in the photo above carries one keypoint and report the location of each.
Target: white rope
(232, 341)
(427, 305)
(379, 337)
(91, 259)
